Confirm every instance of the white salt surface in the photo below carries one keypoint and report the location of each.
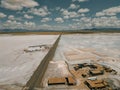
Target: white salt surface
(106, 45)
(16, 66)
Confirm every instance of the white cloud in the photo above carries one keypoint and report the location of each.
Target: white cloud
(29, 24)
(73, 6)
(80, 23)
(111, 22)
(13, 24)
(44, 27)
(82, 0)
(11, 17)
(83, 19)
(73, 14)
(73, 0)
(98, 22)
(66, 14)
(86, 19)
(66, 17)
(100, 14)
(28, 16)
(79, 0)
(18, 4)
(46, 19)
(9, 24)
(83, 10)
(40, 12)
(57, 8)
(2, 15)
(76, 20)
(109, 12)
(51, 27)
(59, 20)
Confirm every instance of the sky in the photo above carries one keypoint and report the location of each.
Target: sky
(59, 14)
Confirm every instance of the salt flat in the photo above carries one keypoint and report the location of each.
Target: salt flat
(105, 46)
(16, 66)
(101, 48)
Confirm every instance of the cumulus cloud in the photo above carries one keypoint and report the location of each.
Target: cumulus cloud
(100, 14)
(83, 19)
(9, 24)
(64, 12)
(73, 14)
(40, 12)
(28, 16)
(66, 17)
(51, 27)
(87, 23)
(83, 10)
(18, 4)
(79, 0)
(13, 24)
(57, 8)
(76, 20)
(29, 24)
(86, 19)
(67, 14)
(11, 17)
(104, 22)
(59, 20)
(97, 22)
(44, 27)
(46, 19)
(2, 15)
(73, 0)
(109, 12)
(82, 0)
(73, 6)
(81, 23)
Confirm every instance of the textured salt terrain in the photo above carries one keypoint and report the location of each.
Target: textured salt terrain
(16, 66)
(106, 48)
(100, 42)
(85, 48)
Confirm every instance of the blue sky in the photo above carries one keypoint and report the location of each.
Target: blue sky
(59, 14)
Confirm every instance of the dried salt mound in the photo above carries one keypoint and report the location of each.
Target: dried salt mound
(59, 68)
